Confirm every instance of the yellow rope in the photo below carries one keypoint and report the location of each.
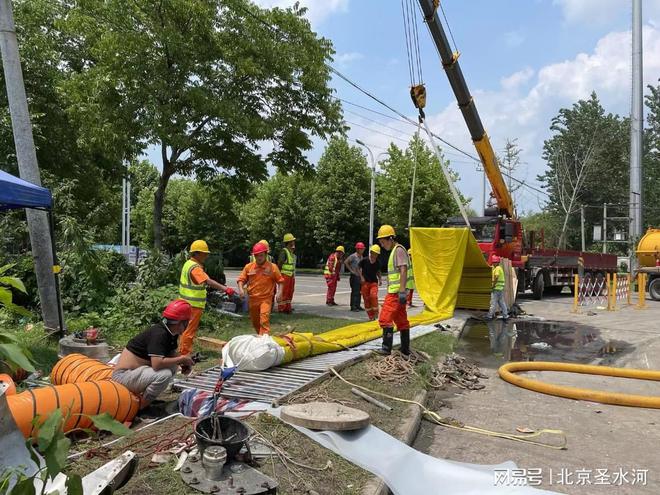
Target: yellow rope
(439, 420)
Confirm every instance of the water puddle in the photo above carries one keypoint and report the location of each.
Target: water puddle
(533, 340)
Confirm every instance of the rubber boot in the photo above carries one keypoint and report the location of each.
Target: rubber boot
(405, 342)
(388, 337)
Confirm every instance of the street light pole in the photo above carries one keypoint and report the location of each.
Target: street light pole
(372, 202)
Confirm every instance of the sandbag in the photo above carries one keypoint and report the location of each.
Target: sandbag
(252, 353)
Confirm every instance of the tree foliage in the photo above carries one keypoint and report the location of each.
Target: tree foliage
(205, 82)
(433, 201)
(592, 145)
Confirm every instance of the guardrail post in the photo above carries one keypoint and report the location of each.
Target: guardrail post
(614, 289)
(576, 292)
(609, 291)
(641, 290)
(629, 289)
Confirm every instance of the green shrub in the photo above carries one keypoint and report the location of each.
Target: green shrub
(132, 310)
(159, 269)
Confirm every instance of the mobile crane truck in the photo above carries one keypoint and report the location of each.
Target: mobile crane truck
(500, 232)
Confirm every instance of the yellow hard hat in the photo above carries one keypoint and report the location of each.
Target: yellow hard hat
(375, 249)
(265, 243)
(385, 231)
(340, 249)
(199, 246)
(288, 238)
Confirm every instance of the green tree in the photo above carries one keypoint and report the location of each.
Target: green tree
(651, 165)
(433, 201)
(341, 205)
(281, 205)
(203, 81)
(587, 159)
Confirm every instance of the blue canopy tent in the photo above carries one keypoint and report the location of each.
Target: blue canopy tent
(16, 193)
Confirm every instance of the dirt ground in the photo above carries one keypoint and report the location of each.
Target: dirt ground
(611, 449)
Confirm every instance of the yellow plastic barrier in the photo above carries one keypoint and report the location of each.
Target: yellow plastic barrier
(450, 271)
(507, 373)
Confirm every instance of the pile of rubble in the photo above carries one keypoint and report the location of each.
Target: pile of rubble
(456, 370)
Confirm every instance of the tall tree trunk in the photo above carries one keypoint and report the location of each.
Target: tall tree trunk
(26, 156)
(159, 197)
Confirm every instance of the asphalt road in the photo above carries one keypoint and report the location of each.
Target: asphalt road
(310, 294)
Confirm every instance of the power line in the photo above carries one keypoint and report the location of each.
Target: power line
(380, 101)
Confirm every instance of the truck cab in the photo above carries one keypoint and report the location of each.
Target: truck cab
(495, 236)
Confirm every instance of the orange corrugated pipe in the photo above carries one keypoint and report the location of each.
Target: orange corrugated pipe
(507, 373)
(77, 368)
(77, 401)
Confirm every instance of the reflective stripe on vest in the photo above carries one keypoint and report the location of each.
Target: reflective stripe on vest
(194, 293)
(393, 275)
(498, 278)
(289, 267)
(326, 270)
(410, 282)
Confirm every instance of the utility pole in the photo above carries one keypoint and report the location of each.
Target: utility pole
(26, 156)
(636, 126)
(372, 199)
(582, 227)
(604, 228)
(126, 217)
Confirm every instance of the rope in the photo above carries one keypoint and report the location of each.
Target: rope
(395, 368)
(450, 423)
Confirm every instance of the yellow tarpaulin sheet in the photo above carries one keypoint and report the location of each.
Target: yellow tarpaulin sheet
(450, 272)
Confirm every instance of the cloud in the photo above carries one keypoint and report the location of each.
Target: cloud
(345, 59)
(526, 101)
(318, 10)
(514, 39)
(604, 12)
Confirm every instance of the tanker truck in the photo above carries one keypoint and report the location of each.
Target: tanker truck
(648, 256)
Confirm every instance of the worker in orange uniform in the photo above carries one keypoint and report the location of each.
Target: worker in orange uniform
(261, 277)
(331, 274)
(192, 288)
(287, 265)
(370, 280)
(410, 285)
(394, 308)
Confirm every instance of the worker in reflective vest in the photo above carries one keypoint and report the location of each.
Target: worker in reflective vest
(393, 313)
(410, 285)
(192, 288)
(331, 274)
(287, 265)
(370, 280)
(497, 291)
(261, 278)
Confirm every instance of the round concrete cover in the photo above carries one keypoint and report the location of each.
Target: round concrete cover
(325, 416)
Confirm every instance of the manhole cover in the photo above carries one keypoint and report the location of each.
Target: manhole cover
(325, 416)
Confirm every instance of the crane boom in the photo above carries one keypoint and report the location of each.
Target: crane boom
(468, 108)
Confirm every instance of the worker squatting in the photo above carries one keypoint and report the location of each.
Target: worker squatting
(151, 359)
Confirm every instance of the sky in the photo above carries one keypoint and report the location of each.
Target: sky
(522, 59)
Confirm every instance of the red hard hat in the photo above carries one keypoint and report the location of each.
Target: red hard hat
(259, 248)
(360, 245)
(495, 259)
(178, 310)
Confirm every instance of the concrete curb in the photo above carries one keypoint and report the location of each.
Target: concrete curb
(408, 432)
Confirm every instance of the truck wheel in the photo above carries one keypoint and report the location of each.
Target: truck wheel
(654, 289)
(538, 286)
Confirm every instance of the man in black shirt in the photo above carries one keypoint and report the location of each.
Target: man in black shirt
(369, 269)
(150, 360)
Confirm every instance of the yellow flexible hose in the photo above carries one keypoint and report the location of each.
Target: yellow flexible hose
(507, 373)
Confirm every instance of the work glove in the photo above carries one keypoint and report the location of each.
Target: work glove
(229, 291)
(402, 298)
(227, 373)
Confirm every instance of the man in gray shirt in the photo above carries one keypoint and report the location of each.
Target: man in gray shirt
(352, 265)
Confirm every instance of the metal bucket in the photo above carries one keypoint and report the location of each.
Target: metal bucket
(230, 428)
